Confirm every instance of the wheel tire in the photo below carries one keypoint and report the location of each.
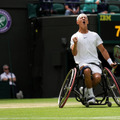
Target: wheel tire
(113, 85)
(67, 87)
(109, 104)
(87, 105)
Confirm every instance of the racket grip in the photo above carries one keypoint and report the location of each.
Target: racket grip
(113, 70)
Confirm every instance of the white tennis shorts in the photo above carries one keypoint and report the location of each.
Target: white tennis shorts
(94, 68)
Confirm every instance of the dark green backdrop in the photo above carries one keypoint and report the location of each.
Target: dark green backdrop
(38, 50)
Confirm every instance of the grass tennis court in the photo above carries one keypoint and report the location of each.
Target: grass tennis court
(47, 109)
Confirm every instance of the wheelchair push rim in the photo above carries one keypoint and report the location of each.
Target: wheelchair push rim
(113, 85)
(67, 87)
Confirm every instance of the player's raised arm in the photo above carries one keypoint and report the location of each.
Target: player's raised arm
(74, 46)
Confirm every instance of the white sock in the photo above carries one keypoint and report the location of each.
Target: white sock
(90, 92)
(85, 90)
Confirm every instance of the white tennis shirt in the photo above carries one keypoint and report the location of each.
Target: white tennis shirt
(86, 47)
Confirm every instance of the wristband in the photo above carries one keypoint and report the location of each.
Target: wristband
(109, 61)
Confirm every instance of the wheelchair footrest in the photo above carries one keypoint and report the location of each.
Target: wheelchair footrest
(96, 103)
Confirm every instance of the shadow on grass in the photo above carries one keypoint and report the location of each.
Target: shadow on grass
(91, 106)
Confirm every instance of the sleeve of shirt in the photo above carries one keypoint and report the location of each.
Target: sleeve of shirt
(3, 76)
(13, 75)
(99, 40)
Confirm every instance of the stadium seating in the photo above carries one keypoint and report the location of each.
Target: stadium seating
(90, 7)
(81, 7)
(32, 10)
(58, 8)
(114, 8)
(89, 1)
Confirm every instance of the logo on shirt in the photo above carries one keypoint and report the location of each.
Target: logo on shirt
(5, 21)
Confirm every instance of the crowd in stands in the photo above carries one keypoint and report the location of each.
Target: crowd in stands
(46, 7)
(71, 7)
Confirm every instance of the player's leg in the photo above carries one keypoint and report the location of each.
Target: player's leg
(88, 83)
(96, 79)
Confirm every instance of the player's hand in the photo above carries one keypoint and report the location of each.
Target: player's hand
(114, 65)
(75, 40)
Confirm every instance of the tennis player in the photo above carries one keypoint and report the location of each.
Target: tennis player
(84, 44)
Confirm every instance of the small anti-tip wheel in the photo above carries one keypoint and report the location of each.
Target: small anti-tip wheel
(109, 104)
(87, 104)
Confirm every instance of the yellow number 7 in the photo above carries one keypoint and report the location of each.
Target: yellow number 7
(118, 31)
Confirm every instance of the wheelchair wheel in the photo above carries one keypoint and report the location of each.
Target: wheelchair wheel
(67, 87)
(113, 85)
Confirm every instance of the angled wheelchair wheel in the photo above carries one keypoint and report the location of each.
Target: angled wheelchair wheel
(67, 87)
(113, 85)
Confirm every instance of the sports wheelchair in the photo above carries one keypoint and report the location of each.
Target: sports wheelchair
(109, 87)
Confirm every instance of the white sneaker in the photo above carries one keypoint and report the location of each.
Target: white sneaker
(91, 100)
(91, 96)
(85, 92)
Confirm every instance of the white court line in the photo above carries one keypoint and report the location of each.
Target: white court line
(64, 118)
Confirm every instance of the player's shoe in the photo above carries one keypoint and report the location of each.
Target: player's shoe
(91, 100)
(85, 92)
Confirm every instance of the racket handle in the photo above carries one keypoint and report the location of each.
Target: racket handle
(113, 70)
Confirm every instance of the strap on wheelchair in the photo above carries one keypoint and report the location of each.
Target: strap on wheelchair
(100, 66)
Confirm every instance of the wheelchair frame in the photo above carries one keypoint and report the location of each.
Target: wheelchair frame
(74, 80)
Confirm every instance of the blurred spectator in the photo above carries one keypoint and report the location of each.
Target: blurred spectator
(72, 8)
(102, 6)
(46, 7)
(8, 76)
